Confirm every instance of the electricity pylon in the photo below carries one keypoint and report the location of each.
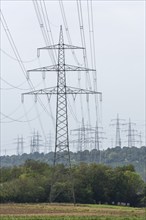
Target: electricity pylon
(140, 139)
(131, 134)
(98, 136)
(48, 143)
(82, 133)
(85, 137)
(20, 142)
(118, 135)
(61, 90)
(35, 142)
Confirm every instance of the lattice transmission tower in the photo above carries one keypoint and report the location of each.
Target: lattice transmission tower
(62, 153)
(35, 142)
(118, 133)
(20, 145)
(131, 133)
(83, 137)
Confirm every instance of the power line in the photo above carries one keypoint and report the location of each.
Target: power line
(13, 58)
(13, 86)
(45, 29)
(83, 41)
(15, 120)
(93, 62)
(43, 26)
(12, 43)
(49, 27)
(26, 116)
(17, 87)
(18, 119)
(67, 30)
(73, 52)
(52, 117)
(15, 110)
(72, 112)
(92, 46)
(42, 16)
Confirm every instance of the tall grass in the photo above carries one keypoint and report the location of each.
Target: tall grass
(68, 218)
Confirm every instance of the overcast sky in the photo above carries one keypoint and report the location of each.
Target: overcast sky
(119, 33)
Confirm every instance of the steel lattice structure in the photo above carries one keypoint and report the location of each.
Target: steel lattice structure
(61, 91)
(118, 136)
(62, 152)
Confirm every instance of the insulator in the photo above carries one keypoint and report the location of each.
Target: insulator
(27, 75)
(22, 98)
(87, 97)
(35, 97)
(101, 97)
(38, 52)
(74, 96)
(44, 75)
(48, 97)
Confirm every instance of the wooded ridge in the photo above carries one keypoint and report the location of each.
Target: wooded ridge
(112, 157)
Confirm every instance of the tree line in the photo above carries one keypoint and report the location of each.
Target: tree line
(93, 183)
(112, 157)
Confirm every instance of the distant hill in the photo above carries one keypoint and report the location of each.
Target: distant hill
(112, 157)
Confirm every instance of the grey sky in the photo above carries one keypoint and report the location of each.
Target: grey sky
(119, 30)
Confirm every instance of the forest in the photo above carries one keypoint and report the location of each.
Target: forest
(93, 184)
(112, 157)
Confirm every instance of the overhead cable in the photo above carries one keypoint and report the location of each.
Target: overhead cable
(67, 30)
(13, 58)
(17, 87)
(43, 26)
(83, 41)
(11, 41)
(15, 120)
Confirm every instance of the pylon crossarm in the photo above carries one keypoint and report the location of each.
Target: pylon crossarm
(56, 68)
(86, 140)
(49, 91)
(77, 68)
(53, 91)
(83, 129)
(45, 69)
(73, 90)
(58, 46)
(100, 132)
(118, 119)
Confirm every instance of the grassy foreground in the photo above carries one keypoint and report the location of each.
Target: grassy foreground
(71, 218)
(69, 212)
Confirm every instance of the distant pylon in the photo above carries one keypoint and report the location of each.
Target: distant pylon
(20, 142)
(48, 144)
(97, 136)
(140, 139)
(83, 136)
(118, 134)
(131, 134)
(92, 137)
(35, 142)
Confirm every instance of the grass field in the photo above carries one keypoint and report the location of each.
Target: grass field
(69, 212)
